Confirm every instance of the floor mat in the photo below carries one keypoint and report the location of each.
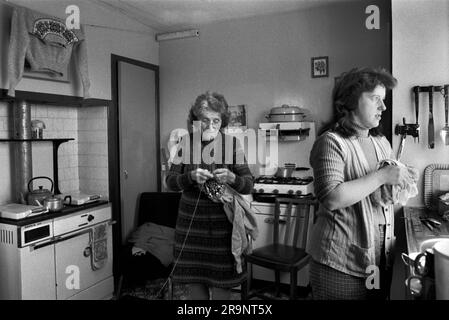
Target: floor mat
(158, 290)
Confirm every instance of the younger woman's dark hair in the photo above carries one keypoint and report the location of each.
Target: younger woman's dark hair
(347, 92)
(209, 101)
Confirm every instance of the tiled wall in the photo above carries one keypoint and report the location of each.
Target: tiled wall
(60, 122)
(83, 162)
(93, 150)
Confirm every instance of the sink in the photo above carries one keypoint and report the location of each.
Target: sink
(429, 243)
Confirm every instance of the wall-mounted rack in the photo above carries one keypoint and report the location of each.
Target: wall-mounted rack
(427, 88)
(413, 129)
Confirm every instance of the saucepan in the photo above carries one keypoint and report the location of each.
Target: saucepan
(54, 203)
(287, 170)
(286, 113)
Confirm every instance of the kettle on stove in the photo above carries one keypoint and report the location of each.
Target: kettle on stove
(37, 196)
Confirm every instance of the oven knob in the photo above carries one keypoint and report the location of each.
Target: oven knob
(290, 191)
(90, 218)
(260, 190)
(275, 191)
(298, 192)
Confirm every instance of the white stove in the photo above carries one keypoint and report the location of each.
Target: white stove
(294, 186)
(58, 257)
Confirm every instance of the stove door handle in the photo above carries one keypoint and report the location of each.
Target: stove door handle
(271, 221)
(41, 245)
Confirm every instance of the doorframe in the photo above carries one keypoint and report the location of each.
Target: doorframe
(114, 152)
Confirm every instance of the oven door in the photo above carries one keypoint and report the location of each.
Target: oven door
(75, 271)
(37, 265)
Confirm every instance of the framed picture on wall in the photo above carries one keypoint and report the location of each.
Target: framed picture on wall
(237, 118)
(320, 67)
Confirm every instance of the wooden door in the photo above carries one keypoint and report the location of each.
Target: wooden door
(138, 138)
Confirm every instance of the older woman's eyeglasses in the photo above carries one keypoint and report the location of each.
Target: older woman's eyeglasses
(215, 122)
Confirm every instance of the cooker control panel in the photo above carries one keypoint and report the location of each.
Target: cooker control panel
(82, 219)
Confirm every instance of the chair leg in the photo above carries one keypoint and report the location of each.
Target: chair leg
(245, 287)
(118, 293)
(277, 279)
(293, 283)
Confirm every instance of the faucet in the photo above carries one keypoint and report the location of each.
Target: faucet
(407, 129)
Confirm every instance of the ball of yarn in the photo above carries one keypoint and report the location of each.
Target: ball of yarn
(214, 190)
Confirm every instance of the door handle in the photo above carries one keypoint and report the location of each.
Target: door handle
(271, 221)
(125, 172)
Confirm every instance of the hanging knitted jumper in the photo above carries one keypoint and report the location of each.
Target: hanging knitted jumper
(47, 45)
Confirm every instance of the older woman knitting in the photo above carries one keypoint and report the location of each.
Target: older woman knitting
(203, 231)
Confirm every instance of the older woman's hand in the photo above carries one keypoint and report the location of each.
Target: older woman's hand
(224, 175)
(200, 175)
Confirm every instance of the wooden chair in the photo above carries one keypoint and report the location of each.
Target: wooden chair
(283, 255)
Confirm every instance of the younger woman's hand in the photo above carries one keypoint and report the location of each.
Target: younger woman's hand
(414, 173)
(224, 175)
(397, 175)
(200, 175)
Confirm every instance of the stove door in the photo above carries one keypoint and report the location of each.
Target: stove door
(75, 271)
(37, 265)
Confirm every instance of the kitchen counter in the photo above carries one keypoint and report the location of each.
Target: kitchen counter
(417, 232)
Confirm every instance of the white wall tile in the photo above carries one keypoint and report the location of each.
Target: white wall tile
(4, 109)
(83, 162)
(53, 112)
(41, 112)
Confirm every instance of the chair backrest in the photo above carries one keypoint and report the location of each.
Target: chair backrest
(295, 221)
(159, 207)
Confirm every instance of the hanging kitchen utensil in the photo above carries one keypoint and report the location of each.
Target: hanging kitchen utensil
(416, 91)
(445, 131)
(430, 128)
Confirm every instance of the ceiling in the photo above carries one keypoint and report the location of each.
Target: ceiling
(168, 15)
(176, 15)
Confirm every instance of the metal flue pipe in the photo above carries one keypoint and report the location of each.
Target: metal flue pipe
(22, 150)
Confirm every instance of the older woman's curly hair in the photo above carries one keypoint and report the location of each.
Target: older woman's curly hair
(349, 89)
(210, 101)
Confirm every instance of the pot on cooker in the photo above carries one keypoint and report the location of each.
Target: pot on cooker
(286, 113)
(54, 203)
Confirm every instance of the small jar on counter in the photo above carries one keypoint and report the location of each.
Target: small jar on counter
(37, 129)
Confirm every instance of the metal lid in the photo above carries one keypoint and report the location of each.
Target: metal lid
(41, 190)
(286, 110)
(53, 198)
(37, 124)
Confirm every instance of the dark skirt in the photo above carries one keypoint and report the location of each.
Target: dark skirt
(206, 255)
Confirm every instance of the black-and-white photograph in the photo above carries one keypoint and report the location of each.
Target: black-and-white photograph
(232, 150)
